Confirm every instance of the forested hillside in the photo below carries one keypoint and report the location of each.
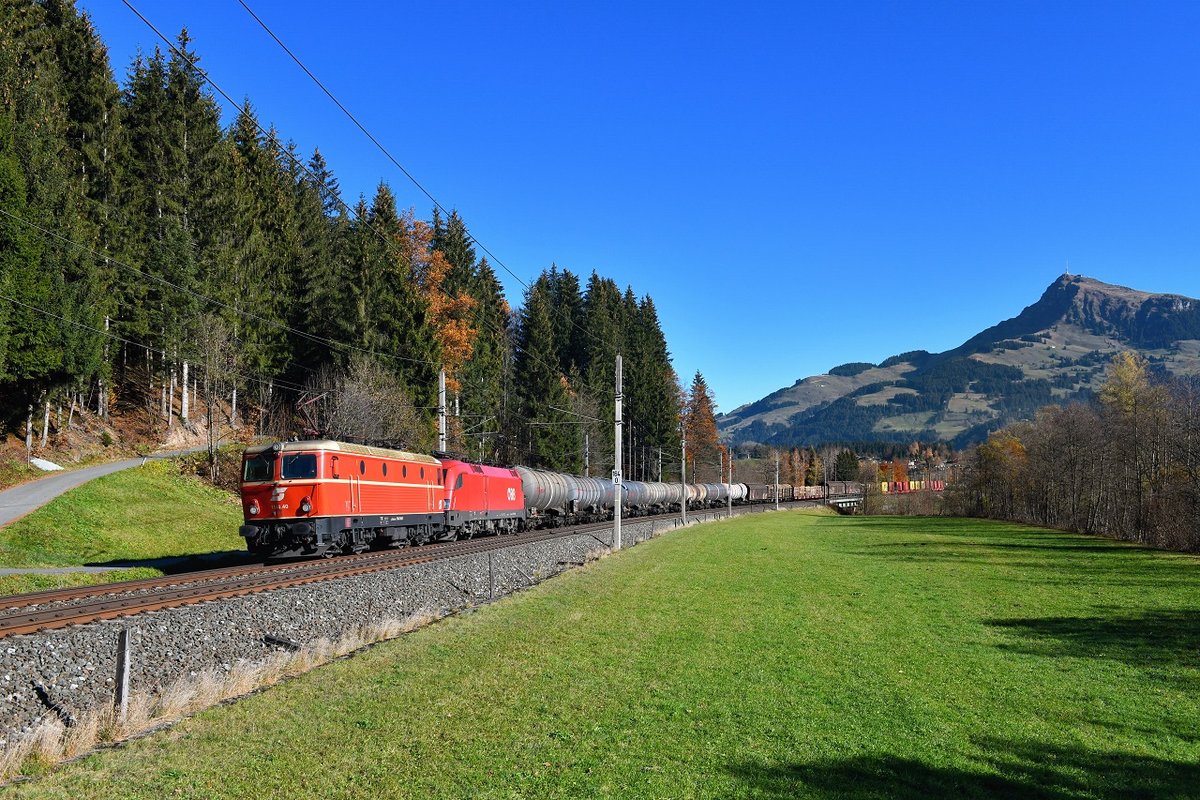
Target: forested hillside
(154, 262)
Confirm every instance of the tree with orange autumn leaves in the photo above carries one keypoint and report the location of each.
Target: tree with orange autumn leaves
(700, 427)
(449, 309)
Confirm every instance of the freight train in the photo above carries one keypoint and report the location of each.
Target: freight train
(325, 498)
(906, 487)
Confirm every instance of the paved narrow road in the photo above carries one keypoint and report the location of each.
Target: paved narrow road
(20, 500)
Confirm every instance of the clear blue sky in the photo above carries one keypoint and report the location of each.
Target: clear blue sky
(797, 185)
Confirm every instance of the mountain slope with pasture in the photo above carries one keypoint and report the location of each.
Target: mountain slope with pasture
(1055, 351)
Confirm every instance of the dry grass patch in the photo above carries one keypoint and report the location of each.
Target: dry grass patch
(51, 742)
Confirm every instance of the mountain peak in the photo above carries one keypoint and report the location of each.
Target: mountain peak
(1055, 351)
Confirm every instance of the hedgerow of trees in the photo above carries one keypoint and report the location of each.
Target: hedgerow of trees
(153, 262)
(1126, 465)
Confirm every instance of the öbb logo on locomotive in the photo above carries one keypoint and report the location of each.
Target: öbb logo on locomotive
(324, 497)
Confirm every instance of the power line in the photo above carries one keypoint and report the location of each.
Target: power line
(335, 195)
(387, 153)
(247, 314)
(351, 211)
(150, 348)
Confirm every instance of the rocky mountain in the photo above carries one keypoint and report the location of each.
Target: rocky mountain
(1055, 351)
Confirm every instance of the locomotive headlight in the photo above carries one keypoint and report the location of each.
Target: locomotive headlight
(305, 506)
(254, 508)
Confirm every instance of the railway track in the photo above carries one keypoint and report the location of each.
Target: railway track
(55, 609)
(61, 608)
(39, 611)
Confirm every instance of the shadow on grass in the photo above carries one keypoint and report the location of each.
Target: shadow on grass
(1069, 558)
(174, 565)
(1005, 770)
(1151, 639)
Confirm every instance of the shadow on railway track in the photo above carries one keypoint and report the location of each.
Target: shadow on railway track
(997, 769)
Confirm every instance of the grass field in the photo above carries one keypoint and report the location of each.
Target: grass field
(777, 655)
(148, 512)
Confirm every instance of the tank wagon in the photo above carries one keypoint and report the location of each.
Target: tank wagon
(325, 498)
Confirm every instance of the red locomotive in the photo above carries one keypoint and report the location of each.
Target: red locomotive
(325, 497)
(482, 499)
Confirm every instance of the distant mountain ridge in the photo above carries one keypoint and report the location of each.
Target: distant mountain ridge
(1055, 351)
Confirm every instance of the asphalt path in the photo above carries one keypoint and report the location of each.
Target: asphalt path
(21, 500)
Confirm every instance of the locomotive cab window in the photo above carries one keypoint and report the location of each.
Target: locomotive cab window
(300, 465)
(422, 473)
(385, 470)
(362, 468)
(259, 468)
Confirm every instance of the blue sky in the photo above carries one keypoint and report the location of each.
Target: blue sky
(797, 185)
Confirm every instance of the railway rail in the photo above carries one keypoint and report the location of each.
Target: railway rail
(49, 610)
(61, 608)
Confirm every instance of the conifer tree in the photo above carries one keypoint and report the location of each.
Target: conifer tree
(454, 242)
(570, 335)
(485, 374)
(394, 313)
(545, 439)
(323, 285)
(652, 390)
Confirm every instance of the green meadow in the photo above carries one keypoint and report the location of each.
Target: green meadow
(775, 655)
(130, 518)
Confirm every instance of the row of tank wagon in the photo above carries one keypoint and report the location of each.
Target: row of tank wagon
(904, 487)
(555, 497)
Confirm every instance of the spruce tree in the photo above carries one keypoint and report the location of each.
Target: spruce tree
(484, 376)
(545, 439)
(454, 242)
(570, 334)
(322, 284)
(396, 322)
(653, 390)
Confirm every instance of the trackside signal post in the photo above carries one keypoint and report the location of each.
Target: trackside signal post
(442, 411)
(776, 480)
(729, 494)
(683, 469)
(616, 476)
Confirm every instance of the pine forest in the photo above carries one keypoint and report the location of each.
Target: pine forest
(159, 266)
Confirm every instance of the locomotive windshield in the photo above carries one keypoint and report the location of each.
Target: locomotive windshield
(301, 465)
(259, 468)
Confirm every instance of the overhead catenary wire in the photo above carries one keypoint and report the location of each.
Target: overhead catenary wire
(151, 348)
(375, 141)
(304, 168)
(199, 296)
(327, 191)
